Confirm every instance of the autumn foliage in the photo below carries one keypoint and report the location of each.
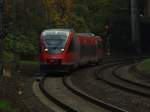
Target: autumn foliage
(25, 19)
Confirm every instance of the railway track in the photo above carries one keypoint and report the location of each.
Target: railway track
(119, 74)
(72, 99)
(101, 103)
(64, 98)
(51, 97)
(110, 75)
(88, 104)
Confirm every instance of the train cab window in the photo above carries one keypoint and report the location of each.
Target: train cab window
(55, 43)
(55, 40)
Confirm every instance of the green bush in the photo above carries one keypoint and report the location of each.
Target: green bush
(30, 63)
(6, 107)
(7, 57)
(22, 45)
(144, 66)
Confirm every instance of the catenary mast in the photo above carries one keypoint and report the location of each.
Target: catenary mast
(135, 28)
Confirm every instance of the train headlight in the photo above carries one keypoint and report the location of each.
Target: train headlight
(45, 49)
(62, 50)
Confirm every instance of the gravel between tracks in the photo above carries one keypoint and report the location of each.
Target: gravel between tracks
(86, 81)
(56, 88)
(129, 73)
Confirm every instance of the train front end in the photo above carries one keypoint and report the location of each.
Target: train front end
(53, 54)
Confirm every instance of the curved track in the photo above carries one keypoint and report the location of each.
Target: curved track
(71, 99)
(64, 98)
(118, 73)
(110, 75)
(74, 89)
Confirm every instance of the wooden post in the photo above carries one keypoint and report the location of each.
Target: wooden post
(7, 70)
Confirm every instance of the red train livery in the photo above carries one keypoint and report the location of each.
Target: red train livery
(64, 49)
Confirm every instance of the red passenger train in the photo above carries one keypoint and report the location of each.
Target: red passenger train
(64, 49)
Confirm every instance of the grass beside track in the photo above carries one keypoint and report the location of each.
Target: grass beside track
(29, 66)
(27, 62)
(144, 66)
(22, 72)
(6, 106)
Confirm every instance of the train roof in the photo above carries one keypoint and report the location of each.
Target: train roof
(57, 32)
(59, 29)
(86, 34)
(47, 31)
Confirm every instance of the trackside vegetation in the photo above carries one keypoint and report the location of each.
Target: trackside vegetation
(5, 106)
(144, 66)
(31, 63)
(24, 21)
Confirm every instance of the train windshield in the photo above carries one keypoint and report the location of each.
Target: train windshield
(55, 43)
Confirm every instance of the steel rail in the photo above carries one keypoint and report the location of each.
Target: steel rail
(131, 88)
(74, 89)
(81, 94)
(50, 97)
(129, 81)
(67, 82)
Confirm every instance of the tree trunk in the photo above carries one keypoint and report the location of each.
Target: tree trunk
(7, 70)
